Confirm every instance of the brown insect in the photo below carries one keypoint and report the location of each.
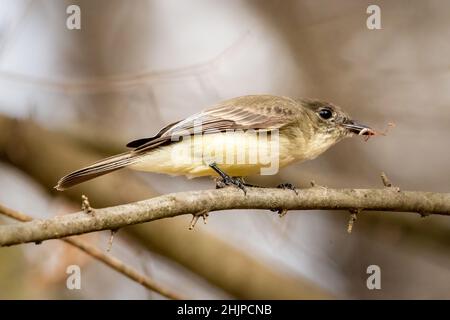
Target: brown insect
(367, 132)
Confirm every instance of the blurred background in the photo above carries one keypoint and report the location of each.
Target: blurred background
(70, 97)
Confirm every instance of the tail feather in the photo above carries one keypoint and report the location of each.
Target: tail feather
(97, 169)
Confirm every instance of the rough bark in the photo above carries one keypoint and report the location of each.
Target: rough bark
(171, 205)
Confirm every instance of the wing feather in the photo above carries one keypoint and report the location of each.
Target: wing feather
(248, 112)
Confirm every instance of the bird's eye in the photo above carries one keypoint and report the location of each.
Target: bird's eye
(325, 113)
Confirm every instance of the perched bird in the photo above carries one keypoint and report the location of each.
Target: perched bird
(238, 137)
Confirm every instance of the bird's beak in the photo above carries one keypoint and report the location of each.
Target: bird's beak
(357, 128)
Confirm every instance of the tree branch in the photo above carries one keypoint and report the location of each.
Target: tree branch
(108, 260)
(171, 205)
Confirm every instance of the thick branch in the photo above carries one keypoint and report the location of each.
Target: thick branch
(387, 199)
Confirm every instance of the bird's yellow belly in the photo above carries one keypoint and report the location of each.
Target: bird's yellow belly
(238, 154)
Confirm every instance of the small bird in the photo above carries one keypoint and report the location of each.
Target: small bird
(235, 138)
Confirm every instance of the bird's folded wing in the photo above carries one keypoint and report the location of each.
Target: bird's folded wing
(255, 112)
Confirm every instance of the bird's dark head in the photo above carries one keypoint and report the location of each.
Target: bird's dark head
(331, 120)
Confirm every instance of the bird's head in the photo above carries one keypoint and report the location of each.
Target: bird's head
(330, 120)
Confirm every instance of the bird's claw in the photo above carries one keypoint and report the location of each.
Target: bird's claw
(287, 186)
(281, 212)
(231, 181)
(226, 180)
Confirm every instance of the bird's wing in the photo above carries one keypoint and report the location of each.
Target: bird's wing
(249, 112)
(140, 142)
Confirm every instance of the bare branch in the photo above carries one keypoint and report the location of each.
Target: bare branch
(192, 202)
(109, 260)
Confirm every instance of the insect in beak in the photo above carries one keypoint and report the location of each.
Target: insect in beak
(358, 128)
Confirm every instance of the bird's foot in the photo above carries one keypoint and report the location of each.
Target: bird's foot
(281, 211)
(287, 186)
(226, 180)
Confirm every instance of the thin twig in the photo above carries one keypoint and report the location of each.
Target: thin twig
(387, 183)
(85, 205)
(175, 204)
(109, 260)
(351, 221)
(113, 83)
(204, 214)
(385, 180)
(111, 239)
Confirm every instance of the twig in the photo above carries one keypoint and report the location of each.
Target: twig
(85, 205)
(387, 183)
(176, 204)
(353, 216)
(385, 180)
(107, 84)
(109, 260)
(204, 214)
(111, 239)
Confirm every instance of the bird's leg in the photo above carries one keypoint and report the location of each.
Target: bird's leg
(227, 180)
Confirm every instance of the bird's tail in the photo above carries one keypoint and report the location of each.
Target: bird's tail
(97, 169)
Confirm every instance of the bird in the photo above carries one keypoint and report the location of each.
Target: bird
(239, 137)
